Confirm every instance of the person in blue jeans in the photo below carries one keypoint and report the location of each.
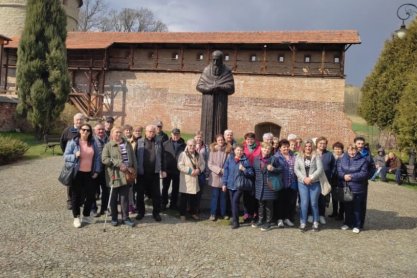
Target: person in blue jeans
(353, 171)
(234, 164)
(308, 169)
(219, 152)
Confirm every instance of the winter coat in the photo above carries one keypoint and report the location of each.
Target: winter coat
(112, 159)
(231, 171)
(288, 176)
(171, 155)
(316, 168)
(216, 161)
(262, 190)
(357, 167)
(251, 155)
(189, 184)
(73, 146)
(140, 149)
(329, 163)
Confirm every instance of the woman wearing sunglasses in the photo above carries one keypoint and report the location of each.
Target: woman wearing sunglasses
(83, 151)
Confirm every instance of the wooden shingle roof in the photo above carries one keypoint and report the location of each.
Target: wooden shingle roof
(101, 40)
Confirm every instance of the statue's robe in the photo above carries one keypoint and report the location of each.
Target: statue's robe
(215, 90)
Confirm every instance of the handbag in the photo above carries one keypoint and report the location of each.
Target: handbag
(344, 194)
(243, 183)
(325, 185)
(130, 175)
(68, 173)
(274, 182)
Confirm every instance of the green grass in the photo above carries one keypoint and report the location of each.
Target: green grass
(36, 147)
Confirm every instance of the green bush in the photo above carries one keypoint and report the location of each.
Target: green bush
(11, 149)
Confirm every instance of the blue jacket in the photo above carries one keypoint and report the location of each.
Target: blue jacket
(289, 178)
(231, 170)
(73, 146)
(357, 167)
(262, 190)
(329, 163)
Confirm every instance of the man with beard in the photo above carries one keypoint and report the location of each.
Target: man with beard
(216, 84)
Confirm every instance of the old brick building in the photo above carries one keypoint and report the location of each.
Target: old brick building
(286, 82)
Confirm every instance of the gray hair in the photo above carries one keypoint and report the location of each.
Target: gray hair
(267, 136)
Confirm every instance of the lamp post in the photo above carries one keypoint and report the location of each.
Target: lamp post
(404, 12)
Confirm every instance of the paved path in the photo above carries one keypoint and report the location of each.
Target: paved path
(37, 239)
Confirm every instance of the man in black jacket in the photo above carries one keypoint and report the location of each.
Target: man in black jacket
(172, 149)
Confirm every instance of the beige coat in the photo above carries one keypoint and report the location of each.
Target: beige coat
(217, 158)
(188, 183)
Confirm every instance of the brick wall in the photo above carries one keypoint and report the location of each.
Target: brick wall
(7, 112)
(309, 107)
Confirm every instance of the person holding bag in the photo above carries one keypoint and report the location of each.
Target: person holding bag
(191, 165)
(83, 151)
(308, 168)
(264, 166)
(234, 165)
(119, 159)
(353, 172)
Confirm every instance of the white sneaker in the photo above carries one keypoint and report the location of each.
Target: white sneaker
(288, 223)
(322, 220)
(344, 227)
(310, 219)
(356, 230)
(315, 226)
(280, 223)
(88, 219)
(77, 222)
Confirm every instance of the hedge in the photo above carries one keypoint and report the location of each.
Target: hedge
(11, 149)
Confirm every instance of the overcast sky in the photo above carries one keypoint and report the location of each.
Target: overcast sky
(376, 20)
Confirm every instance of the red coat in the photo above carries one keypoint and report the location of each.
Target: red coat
(251, 155)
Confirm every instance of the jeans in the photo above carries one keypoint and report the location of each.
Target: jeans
(166, 182)
(309, 195)
(354, 211)
(234, 200)
(384, 172)
(377, 173)
(216, 193)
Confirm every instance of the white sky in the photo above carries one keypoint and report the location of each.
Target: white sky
(376, 20)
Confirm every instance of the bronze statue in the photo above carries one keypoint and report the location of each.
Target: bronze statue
(216, 84)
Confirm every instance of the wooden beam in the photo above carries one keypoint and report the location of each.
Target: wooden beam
(1, 59)
(264, 65)
(293, 49)
(156, 58)
(182, 57)
(235, 59)
(131, 62)
(323, 57)
(6, 73)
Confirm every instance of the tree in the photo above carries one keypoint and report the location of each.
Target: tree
(91, 14)
(42, 73)
(132, 20)
(406, 120)
(384, 87)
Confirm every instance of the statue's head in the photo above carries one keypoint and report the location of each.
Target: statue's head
(217, 58)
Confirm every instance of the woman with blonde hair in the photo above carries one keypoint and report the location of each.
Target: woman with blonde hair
(308, 169)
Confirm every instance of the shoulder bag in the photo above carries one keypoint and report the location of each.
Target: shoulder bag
(274, 180)
(68, 173)
(344, 194)
(243, 183)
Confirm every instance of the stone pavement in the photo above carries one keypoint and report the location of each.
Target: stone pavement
(37, 239)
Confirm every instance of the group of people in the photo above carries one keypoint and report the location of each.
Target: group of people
(105, 156)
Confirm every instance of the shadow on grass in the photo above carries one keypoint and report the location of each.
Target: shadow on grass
(389, 220)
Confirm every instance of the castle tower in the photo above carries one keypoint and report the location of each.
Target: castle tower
(13, 13)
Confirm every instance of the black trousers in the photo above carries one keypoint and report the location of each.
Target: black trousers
(266, 211)
(285, 204)
(148, 183)
(121, 192)
(101, 186)
(166, 182)
(83, 193)
(190, 200)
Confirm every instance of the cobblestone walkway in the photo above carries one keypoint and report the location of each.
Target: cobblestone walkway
(37, 239)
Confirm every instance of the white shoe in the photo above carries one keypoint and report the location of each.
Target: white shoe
(88, 219)
(310, 219)
(344, 227)
(315, 226)
(356, 230)
(280, 223)
(288, 223)
(77, 222)
(322, 220)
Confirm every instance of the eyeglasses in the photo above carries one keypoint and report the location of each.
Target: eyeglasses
(85, 129)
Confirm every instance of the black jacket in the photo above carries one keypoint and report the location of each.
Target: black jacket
(171, 155)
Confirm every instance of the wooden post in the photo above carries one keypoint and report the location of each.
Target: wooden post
(131, 62)
(264, 60)
(182, 57)
(323, 56)
(292, 48)
(235, 60)
(6, 73)
(156, 58)
(1, 59)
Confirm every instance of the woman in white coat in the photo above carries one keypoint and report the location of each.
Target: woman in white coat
(190, 164)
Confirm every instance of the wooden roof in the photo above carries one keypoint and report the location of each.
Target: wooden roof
(4, 39)
(102, 40)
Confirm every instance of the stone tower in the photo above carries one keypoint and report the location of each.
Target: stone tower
(13, 13)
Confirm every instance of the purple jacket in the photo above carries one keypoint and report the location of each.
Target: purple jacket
(357, 167)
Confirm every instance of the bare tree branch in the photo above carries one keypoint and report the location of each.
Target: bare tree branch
(91, 14)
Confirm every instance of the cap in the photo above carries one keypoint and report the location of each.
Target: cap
(158, 123)
(176, 131)
(110, 119)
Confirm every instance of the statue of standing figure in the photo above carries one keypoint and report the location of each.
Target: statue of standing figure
(216, 84)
